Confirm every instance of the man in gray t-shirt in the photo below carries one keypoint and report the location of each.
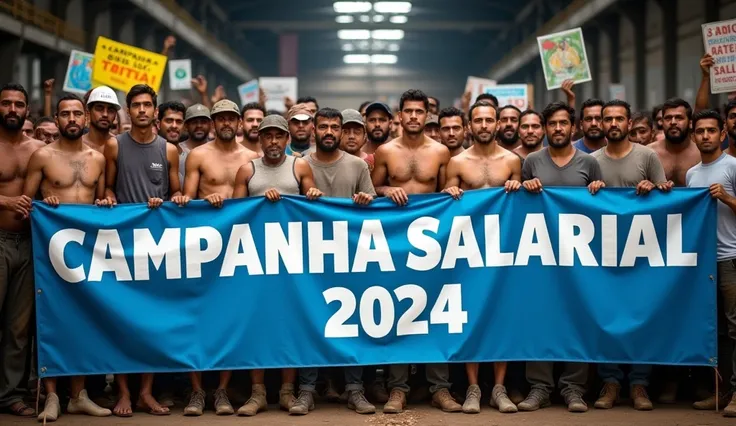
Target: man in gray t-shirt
(560, 164)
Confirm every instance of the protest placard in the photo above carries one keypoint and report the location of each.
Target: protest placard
(563, 57)
(476, 86)
(121, 66)
(79, 73)
(719, 39)
(180, 74)
(276, 89)
(248, 92)
(510, 94)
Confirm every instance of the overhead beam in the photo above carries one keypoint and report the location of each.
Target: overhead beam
(575, 15)
(409, 26)
(187, 29)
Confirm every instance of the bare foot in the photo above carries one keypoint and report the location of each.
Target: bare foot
(123, 408)
(149, 404)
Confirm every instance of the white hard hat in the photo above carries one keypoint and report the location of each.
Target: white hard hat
(105, 95)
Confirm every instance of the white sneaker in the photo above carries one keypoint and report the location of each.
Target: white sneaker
(83, 405)
(51, 409)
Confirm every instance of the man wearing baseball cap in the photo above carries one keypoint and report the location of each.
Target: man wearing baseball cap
(210, 175)
(301, 129)
(432, 127)
(103, 107)
(273, 175)
(378, 118)
(354, 136)
(198, 124)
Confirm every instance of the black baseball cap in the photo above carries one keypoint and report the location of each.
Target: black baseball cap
(379, 105)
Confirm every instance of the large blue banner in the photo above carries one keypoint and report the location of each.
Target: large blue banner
(561, 275)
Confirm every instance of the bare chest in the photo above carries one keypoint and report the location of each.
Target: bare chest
(419, 167)
(222, 170)
(485, 174)
(14, 163)
(67, 172)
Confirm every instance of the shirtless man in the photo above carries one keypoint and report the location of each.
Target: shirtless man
(413, 164)
(45, 130)
(253, 115)
(484, 165)
(68, 172)
(508, 127)
(677, 152)
(16, 272)
(531, 133)
(353, 136)
(103, 107)
(378, 126)
(272, 175)
(210, 175)
(198, 124)
(452, 129)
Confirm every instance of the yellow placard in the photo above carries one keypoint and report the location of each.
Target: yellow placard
(121, 66)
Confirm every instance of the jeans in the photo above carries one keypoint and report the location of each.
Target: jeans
(540, 375)
(437, 374)
(353, 382)
(727, 286)
(639, 374)
(16, 308)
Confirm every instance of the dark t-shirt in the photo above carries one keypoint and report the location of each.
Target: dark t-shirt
(581, 170)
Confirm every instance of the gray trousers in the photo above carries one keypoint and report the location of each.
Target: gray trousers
(540, 375)
(16, 308)
(438, 375)
(727, 286)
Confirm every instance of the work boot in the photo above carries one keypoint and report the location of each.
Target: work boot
(51, 409)
(472, 400)
(396, 402)
(222, 403)
(256, 403)
(83, 405)
(445, 402)
(730, 410)
(304, 404)
(500, 400)
(609, 396)
(641, 399)
(536, 399)
(358, 403)
(378, 392)
(710, 403)
(196, 404)
(575, 403)
(286, 396)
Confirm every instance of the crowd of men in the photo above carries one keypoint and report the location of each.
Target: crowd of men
(84, 155)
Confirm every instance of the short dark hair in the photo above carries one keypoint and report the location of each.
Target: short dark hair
(729, 106)
(531, 112)
(175, 106)
(592, 102)
(15, 87)
(328, 113)
(552, 108)
(363, 105)
(253, 105)
(676, 103)
(141, 89)
(618, 103)
(509, 107)
(487, 97)
(706, 114)
(413, 95)
(68, 97)
(656, 110)
(437, 101)
(452, 112)
(42, 120)
(305, 99)
(481, 104)
(642, 116)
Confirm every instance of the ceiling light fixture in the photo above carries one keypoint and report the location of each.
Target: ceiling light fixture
(378, 45)
(387, 34)
(357, 59)
(384, 59)
(343, 19)
(352, 6)
(393, 47)
(353, 34)
(347, 47)
(378, 18)
(392, 7)
(365, 18)
(398, 19)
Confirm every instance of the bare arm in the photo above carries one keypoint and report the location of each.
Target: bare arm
(191, 180)
(304, 173)
(245, 172)
(453, 174)
(172, 156)
(111, 169)
(380, 171)
(445, 159)
(515, 164)
(100, 190)
(703, 97)
(200, 84)
(35, 173)
(48, 92)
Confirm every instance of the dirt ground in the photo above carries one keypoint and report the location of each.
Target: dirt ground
(419, 415)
